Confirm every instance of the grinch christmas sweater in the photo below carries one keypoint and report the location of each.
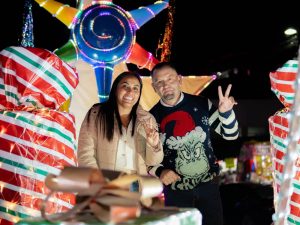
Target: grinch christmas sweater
(185, 133)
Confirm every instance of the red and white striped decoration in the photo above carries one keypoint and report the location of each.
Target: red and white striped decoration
(35, 138)
(34, 77)
(282, 84)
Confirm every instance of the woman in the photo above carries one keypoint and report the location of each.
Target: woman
(118, 134)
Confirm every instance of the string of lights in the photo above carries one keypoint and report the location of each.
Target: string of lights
(27, 29)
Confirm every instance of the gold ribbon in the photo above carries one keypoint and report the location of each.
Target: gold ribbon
(107, 195)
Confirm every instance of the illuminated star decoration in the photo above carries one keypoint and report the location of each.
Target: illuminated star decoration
(103, 34)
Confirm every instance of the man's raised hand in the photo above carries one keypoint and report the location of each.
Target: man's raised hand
(226, 102)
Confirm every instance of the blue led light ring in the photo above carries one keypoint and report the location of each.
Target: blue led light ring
(104, 34)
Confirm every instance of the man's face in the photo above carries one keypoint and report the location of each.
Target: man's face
(166, 83)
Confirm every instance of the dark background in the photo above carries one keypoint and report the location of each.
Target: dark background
(244, 41)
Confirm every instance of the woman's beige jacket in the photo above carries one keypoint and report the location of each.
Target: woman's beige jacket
(96, 151)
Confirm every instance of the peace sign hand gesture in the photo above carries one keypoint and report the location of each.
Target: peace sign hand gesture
(226, 102)
(151, 132)
(150, 126)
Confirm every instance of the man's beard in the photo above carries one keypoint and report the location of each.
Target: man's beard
(169, 96)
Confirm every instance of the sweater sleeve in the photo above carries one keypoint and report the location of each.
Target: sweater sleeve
(155, 170)
(154, 154)
(224, 124)
(87, 141)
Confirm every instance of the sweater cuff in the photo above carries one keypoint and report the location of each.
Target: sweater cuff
(159, 171)
(225, 114)
(155, 170)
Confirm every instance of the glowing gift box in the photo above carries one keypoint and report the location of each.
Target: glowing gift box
(255, 163)
(36, 138)
(108, 200)
(282, 84)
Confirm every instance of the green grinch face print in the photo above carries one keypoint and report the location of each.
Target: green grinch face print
(191, 161)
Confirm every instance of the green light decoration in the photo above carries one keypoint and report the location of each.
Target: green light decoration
(27, 29)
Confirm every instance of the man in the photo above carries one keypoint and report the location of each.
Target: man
(189, 164)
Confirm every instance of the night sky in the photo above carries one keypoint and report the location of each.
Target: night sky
(244, 42)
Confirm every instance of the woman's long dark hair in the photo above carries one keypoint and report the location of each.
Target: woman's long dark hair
(108, 109)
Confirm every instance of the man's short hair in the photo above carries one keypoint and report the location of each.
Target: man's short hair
(161, 65)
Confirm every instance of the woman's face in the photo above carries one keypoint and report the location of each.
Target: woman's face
(128, 92)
